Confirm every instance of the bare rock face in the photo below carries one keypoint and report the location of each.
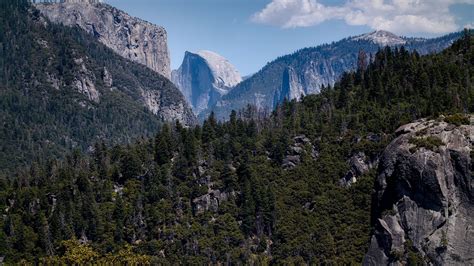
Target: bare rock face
(290, 89)
(107, 78)
(130, 37)
(204, 77)
(360, 164)
(424, 203)
(84, 81)
(211, 201)
(165, 109)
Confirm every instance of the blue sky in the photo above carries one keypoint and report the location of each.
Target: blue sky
(250, 33)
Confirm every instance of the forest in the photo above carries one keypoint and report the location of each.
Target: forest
(225, 192)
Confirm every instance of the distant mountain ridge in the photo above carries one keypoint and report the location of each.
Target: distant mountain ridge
(307, 70)
(204, 77)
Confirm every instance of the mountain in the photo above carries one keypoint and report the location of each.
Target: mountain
(130, 37)
(61, 89)
(307, 70)
(424, 198)
(204, 77)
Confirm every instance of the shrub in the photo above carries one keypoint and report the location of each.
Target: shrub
(396, 255)
(457, 119)
(431, 143)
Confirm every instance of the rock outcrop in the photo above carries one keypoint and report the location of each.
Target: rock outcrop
(301, 145)
(423, 207)
(84, 81)
(167, 109)
(359, 164)
(213, 198)
(130, 37)
(204, 77)
(210, 201)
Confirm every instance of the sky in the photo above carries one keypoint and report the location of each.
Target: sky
(251, 33)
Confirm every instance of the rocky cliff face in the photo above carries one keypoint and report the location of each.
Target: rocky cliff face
(130, 37)
(204, 77)
(424, 200)
(307, 70)
(290, 88)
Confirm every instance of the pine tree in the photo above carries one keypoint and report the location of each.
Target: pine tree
(163, 146)
(248, 208)
(130, 166)
(119, 218)
(229, 178)
(209, 129)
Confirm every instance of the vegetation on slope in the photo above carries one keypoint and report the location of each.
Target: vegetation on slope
(141, 198)
(42, 112)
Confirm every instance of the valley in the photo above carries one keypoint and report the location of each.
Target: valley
(354, 152)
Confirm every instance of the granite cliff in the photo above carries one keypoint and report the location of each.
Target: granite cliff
(424, 201)
(130, 37)
(204, 77)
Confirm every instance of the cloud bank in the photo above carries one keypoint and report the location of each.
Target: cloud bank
(398, 16)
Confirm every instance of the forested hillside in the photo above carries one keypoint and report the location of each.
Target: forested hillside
(60, 89)
(263, 190)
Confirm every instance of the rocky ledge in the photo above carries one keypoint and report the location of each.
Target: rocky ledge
(423, 205)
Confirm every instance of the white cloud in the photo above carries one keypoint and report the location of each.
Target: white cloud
(399, 16)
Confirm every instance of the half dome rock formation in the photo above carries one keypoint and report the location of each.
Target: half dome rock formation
(204, 77)
(424, 200)
(130, 37)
